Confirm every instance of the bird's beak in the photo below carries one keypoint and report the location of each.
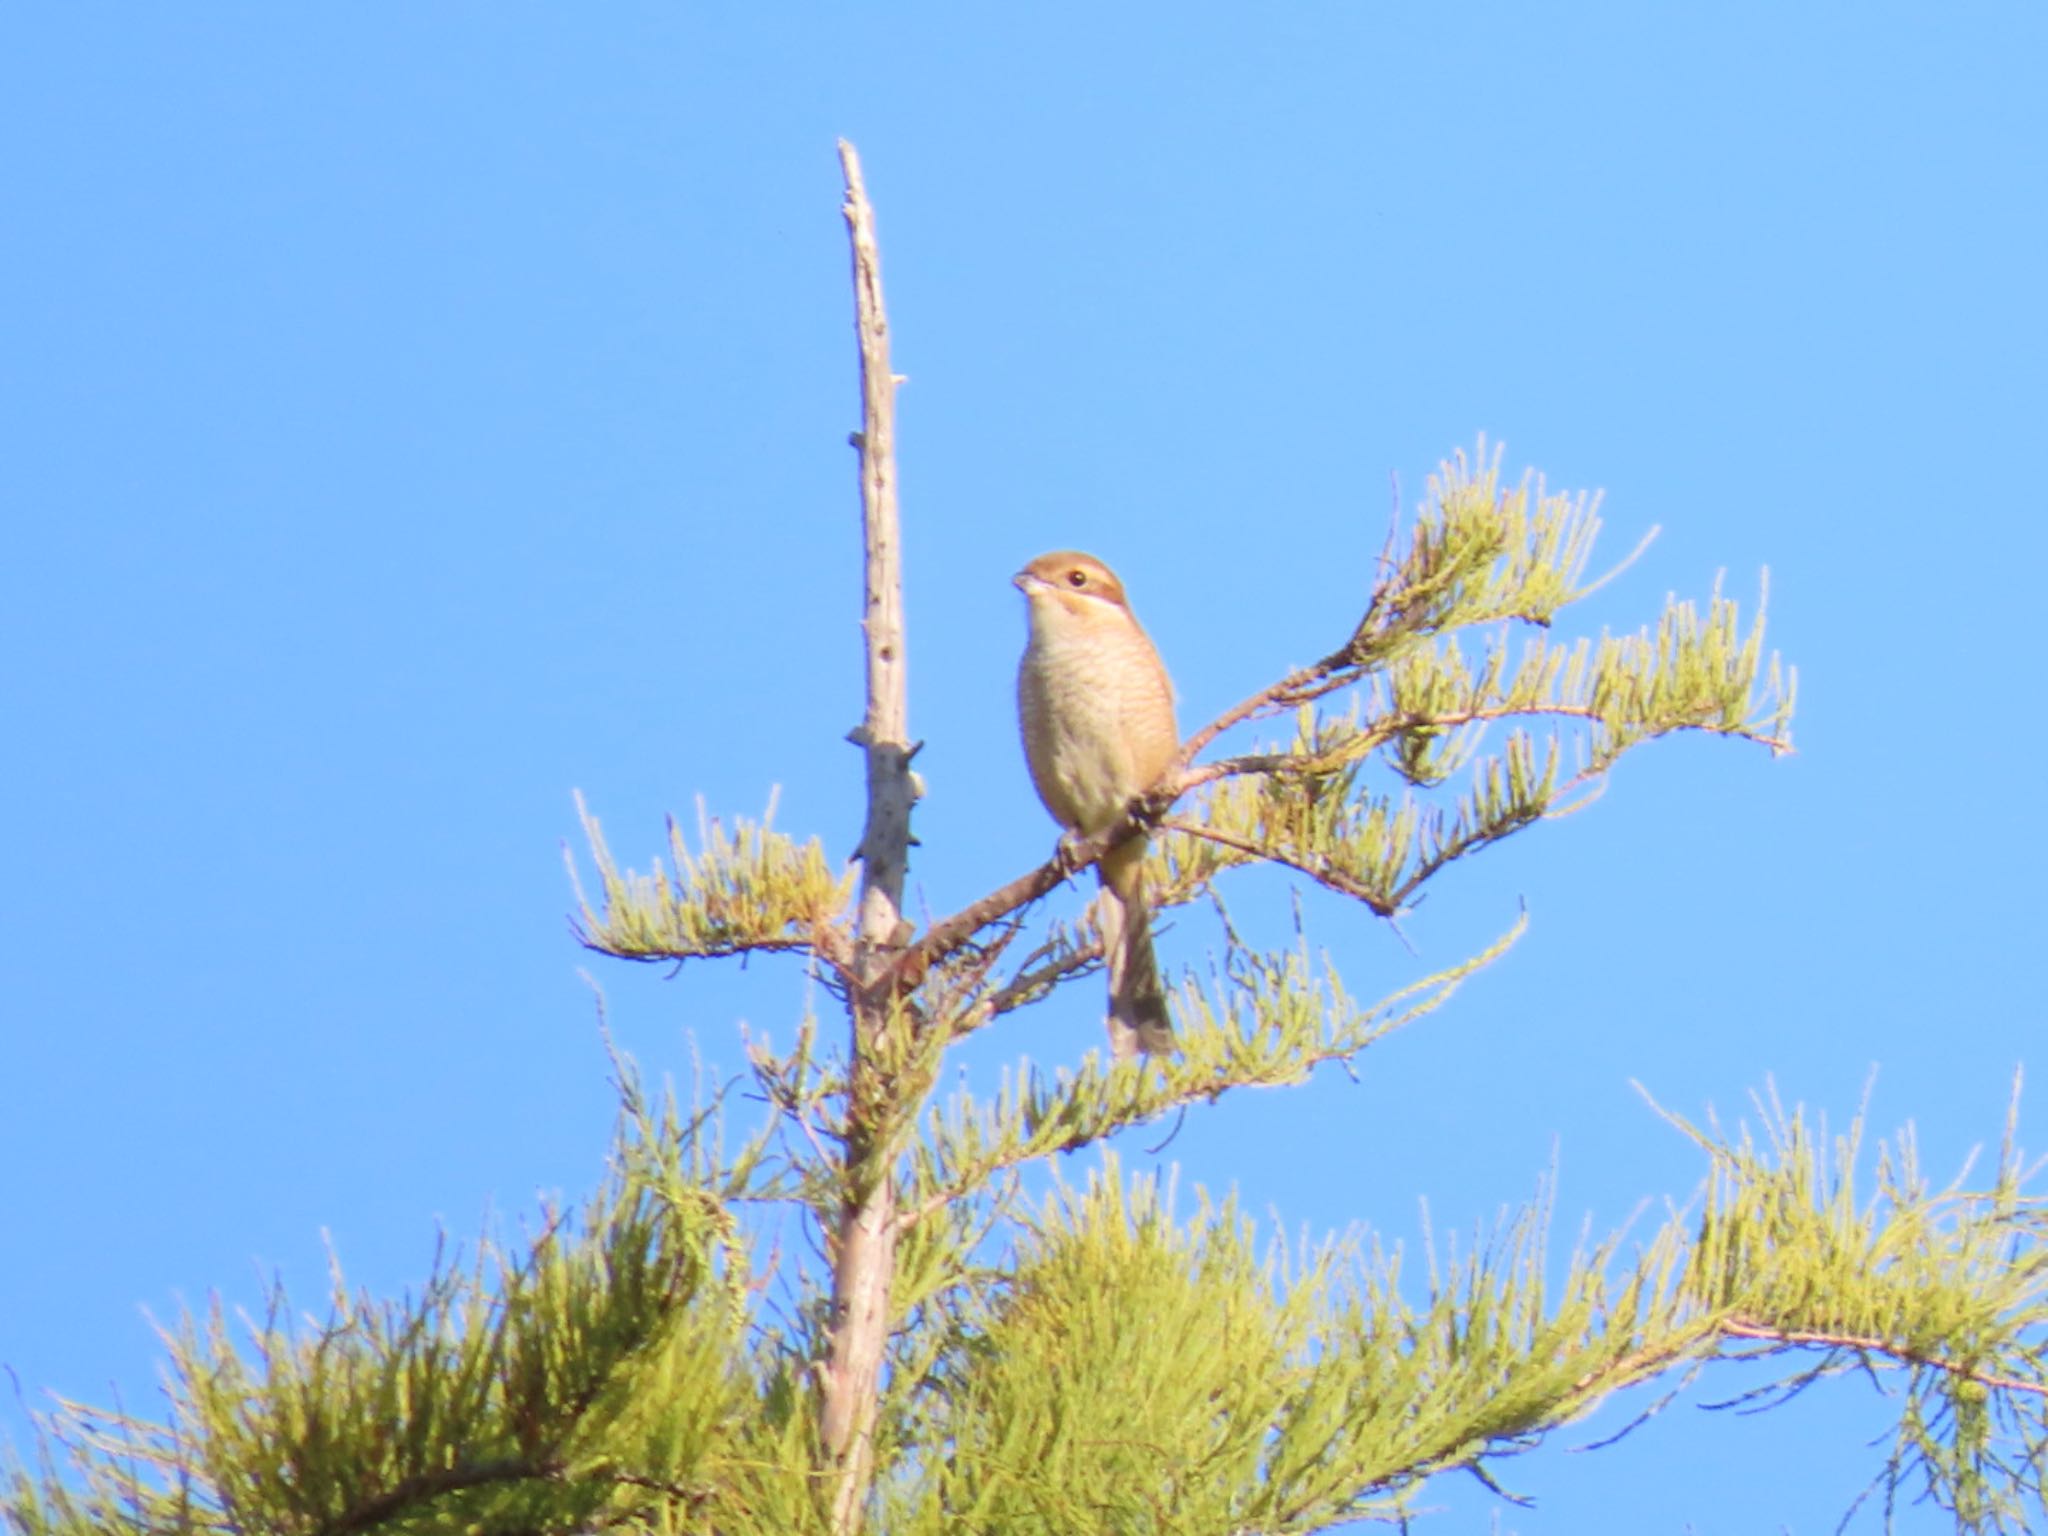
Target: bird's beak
(1024, 581)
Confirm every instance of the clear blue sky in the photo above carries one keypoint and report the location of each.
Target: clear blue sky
(414, 413)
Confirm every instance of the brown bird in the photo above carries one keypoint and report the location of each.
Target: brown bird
(1096, 708)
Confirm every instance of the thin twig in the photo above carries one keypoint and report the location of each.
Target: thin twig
(1322, 874)
(1741, 1328)
(1027, 984)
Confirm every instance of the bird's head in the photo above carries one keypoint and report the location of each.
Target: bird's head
(1071, 584)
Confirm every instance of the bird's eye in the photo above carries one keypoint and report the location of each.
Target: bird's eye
(1077, 577)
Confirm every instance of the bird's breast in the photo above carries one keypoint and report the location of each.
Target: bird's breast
(1097, 718)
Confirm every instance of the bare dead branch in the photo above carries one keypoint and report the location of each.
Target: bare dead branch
(863, 1251)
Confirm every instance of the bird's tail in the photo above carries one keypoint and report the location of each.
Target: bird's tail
(1138, 1023)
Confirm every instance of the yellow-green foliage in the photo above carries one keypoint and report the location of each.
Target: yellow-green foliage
(750, 888)
(1134, 1372)
(1434, 663)
(1949, 1285)
(1089, 1363)
(1481, 553)
(601, 1375)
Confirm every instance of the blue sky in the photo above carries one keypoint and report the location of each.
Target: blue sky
(414, 413)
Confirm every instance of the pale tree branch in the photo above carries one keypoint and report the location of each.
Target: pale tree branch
(863, 1251)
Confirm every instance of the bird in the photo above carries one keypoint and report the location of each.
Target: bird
(1095, 706)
